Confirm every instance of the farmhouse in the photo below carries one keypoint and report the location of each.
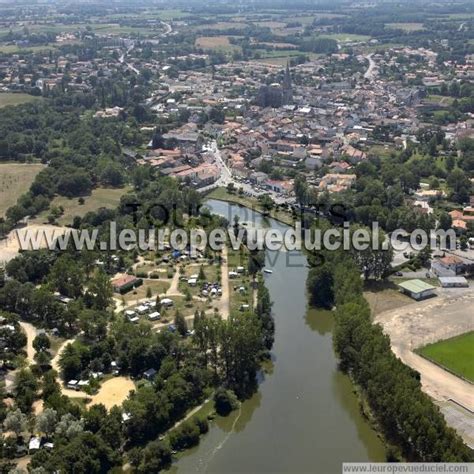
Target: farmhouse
(417, 289)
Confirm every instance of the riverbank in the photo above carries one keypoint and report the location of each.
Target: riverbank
(322, 417)
(221, 194)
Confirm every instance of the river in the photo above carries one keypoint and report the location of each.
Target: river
(305, 417)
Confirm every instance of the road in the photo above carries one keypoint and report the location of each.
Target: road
(370, 73)
(226, 178)
(55, 365)
(30, 332)
(168, 31)
(223, 304)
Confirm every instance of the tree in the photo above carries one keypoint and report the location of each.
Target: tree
(180, 323)
(69, 427)
(445, 221)
(320, 286)
(41, 342)
(460, 185)
(93, 323)
(101, 290)
(267, 202)
(202, 274)
(256, 262)
(67, 277)
(70, 362)
(15, 421)
(155, 457)
(225, 401)
(25, 388)
(46, 421)
(301, 189)
(374, 261)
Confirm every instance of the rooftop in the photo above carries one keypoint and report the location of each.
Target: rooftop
(416, 286)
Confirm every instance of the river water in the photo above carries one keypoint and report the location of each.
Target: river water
(305, 417)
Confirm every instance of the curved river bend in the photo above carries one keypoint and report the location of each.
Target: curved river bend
(305, 417)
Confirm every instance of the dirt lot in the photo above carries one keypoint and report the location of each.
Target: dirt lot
(10, 246)
(384, 296)
(113, 392)
(421, 323)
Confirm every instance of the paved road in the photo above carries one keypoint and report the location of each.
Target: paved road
(370, 73)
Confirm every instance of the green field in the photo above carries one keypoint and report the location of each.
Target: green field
(455, 354)
(15, 179)
(11, 98)
(100, 197)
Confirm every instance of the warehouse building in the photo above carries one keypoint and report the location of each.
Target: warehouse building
(417, 289)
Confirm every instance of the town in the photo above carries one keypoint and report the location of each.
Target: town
(205, 116)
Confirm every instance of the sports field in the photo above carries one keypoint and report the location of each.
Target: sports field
(455, 354)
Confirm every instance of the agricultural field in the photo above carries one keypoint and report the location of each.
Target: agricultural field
(408, 27)
(455, 354)
(221, 43)
(346, 37)
(100, 197)
(15, 179)
(13, 48)
(11, 98)
(222, 25)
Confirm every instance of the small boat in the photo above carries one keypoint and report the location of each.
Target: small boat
(267, 270)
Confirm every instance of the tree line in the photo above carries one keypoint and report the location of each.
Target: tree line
(411, 423)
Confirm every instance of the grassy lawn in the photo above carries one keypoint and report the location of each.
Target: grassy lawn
(15, 179)
(455, 354)
(100, 197)
(156, 286)
(11, 98)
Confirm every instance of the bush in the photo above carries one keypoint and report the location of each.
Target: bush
(202, 424)
(225, 401)
(185, 436)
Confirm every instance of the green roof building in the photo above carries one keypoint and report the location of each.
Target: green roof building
(417, 289)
